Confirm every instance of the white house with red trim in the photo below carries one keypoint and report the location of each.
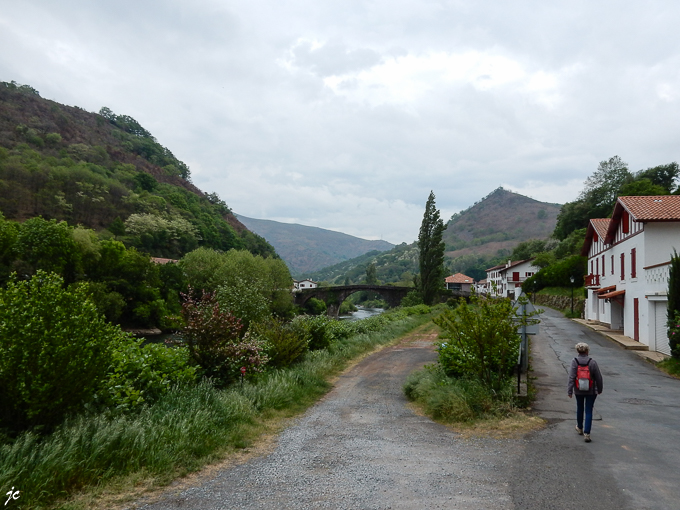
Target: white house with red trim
(459, 281)
(506, 279)
(628, 267)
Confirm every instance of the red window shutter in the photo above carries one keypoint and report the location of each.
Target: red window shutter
(602, 265)
(597, 266)
(515, 276)
(625, 222)
(623, 266)
(612, 264)
(636, 320)
(632, 264)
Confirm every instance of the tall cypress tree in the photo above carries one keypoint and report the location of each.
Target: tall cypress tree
(674, 305)
(431, 252)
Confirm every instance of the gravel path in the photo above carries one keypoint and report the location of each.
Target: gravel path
(361, 447)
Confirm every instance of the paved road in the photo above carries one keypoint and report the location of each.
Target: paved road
(362, 448)
(634, 459)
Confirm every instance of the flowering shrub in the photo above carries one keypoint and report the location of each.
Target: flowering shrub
(216, 340)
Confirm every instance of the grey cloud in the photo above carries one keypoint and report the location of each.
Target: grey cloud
(334, 58)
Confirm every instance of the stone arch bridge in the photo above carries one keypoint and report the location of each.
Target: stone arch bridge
(334, 296)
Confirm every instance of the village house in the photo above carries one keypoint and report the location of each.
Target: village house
(303, 284)
(628, 267)
(506, 279)
(459, 282)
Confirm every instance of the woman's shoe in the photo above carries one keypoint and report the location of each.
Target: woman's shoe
(586, 437)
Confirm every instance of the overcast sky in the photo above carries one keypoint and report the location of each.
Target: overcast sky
(345, 114)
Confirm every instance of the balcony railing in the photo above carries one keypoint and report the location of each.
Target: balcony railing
(592, 280)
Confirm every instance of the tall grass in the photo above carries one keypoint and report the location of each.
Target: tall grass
(457, 400)
(187, 428)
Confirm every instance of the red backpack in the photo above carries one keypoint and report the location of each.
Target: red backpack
(584, 382)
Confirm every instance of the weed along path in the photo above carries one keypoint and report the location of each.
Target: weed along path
(362, 447)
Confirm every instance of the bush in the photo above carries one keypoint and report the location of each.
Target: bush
(216, 342)
(412, 298)
(55, 349)
(315, 306)
(143, 373)
(481, 340)
(320, 329)
(456, 399)
(286, 342)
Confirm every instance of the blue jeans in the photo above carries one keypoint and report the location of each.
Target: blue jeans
(589, 401)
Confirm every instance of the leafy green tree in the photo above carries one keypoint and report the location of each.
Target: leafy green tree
(662, 175)
(527, 249)
(55, 349)
(597, 198)
(641, 187)
(48, 245)
(431, 251)
(371, 275)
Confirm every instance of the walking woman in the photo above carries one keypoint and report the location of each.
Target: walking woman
(585, 381)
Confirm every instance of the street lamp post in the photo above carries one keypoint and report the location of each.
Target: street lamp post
(571, 279)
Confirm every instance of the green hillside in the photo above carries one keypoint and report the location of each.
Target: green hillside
(106, 172)
(307, 249)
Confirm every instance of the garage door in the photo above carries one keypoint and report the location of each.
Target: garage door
(661, 335)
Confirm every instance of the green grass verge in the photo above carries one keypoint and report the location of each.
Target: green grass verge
(185, 430)
(671, 366)
(453, 400)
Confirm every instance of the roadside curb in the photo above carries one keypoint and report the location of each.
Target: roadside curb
(626, 342)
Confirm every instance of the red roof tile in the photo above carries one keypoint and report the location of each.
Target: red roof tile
(653, 208)
(459, 278)
(601, 225)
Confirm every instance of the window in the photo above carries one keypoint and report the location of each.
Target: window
(602, 265)
(625, 222)
(612, 264)
(632, 263)
(597, 266)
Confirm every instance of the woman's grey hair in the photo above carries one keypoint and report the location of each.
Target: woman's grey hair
(582, 348)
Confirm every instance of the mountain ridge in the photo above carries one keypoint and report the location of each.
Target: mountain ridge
(307, 249)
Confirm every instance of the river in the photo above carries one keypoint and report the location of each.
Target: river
(362, 313)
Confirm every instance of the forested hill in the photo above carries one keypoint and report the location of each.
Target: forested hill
(477, 238)
(106, 172)
(499, 221)
(308, 249)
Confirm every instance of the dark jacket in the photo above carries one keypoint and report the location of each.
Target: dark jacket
(595, 375)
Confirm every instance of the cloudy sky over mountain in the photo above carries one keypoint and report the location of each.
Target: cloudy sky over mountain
(345, 114)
